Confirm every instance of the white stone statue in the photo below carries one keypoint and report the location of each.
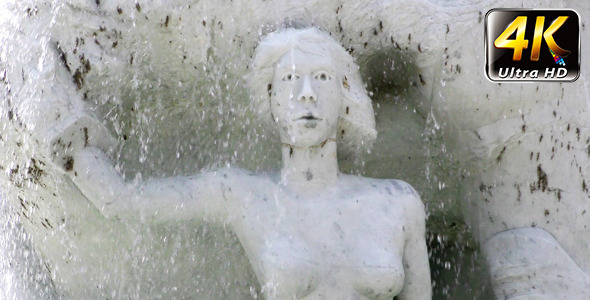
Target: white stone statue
(310, 232)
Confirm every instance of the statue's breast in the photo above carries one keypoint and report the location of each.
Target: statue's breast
(300, 248)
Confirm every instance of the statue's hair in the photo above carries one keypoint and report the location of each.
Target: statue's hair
(356, 124)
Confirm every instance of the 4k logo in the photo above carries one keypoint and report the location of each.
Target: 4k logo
(532, 45)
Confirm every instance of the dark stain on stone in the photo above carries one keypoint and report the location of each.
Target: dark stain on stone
(22, 203)
(499, 158)
(31, 11)
(63, 58)
(34, 172)
(47, 222)
(69, 163)
(78, 79)
(308, 175)
(543, 182)
(486, 189)
(477, 134)
(85, 136)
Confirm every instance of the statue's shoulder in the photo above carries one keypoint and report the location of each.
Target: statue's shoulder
(402, 195)
(394, 187)
(394, 190)
(414, 208)
(401, 187)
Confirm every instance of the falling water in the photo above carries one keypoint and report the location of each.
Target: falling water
(168, 80)
(175, 100)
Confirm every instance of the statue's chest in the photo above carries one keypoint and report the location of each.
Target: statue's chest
(356, 242)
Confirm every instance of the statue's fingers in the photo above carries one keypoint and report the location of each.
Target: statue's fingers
(73, 134)
(99, 136)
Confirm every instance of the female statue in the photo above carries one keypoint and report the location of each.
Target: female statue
(312, 232)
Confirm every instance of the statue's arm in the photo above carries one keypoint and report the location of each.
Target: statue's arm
(417, 271)
(206, 195)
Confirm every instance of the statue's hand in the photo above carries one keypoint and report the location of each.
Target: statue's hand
(73, 134)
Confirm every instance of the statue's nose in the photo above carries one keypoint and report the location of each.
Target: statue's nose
(307, 93)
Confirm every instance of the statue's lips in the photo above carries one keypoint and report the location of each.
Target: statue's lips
(307, 118)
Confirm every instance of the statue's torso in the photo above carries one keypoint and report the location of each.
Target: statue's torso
(349, 241)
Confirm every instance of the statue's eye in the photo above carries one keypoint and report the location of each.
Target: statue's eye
(290, 77)
(323, 76)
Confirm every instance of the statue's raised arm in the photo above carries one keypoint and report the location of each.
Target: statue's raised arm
(78, 143)
(203, 196)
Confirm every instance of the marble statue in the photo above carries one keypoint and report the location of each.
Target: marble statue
(505, 163)
(311, 232)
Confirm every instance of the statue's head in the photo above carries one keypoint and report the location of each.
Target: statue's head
(308, 85)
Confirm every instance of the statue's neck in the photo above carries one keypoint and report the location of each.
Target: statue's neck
(310, 169)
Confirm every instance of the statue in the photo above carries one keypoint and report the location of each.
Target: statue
(310, 232)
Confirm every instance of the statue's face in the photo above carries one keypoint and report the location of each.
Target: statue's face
(306, 98)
